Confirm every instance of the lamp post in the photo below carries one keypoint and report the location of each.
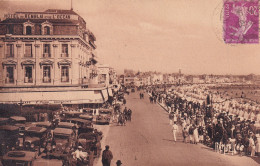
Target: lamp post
(21, 105)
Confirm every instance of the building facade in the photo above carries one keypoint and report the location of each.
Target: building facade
(43, 48)
(103, 74)
(47, 50)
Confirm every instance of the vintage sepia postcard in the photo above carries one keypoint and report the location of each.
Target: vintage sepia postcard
(129, 83)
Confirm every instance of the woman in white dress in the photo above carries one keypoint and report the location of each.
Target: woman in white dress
(196, 135)
(257, 147)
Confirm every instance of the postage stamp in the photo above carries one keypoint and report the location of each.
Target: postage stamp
(241, 21)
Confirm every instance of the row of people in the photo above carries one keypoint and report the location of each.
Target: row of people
(215, 128)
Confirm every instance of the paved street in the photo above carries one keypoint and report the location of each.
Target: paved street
(147, 140)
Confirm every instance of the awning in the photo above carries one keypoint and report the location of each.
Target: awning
(54, 97)
(105, 94)
(110, 93)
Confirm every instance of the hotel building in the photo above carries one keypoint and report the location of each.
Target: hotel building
(48, 57)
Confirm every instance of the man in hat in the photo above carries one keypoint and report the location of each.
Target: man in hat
(185, 134)
(107, 156)
(118, 163)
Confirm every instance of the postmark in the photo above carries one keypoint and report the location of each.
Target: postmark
(241, 21)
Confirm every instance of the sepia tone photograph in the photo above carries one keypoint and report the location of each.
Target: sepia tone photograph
(129, 83)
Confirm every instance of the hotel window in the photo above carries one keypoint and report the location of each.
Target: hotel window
(64, 73)
(46, 30)
(28, 74)
(10, 29)
(9, 50)
(28, 30)
(64, 51)
(9, 74)
(28, 50)
(46, 74)
(46, 50)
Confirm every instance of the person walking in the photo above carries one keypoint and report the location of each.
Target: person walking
(191, 134)
(174, 131)
(175, 117)
(171, 117)
(107, 156)
(252, 146)
(185, 134)
(195, 134)
(201, 133)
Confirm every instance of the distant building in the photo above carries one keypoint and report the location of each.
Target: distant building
(112, 76)
(129, 79)
(103, 74)
(157, 78)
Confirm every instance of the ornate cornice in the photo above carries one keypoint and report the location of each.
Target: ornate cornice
(27, 62)
(46, 62)
(9, 62)
(64, 62)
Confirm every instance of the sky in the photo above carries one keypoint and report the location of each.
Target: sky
(156, 35)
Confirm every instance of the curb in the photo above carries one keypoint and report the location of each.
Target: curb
(165, 109)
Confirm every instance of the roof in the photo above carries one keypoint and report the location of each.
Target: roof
(66, 124)
(36, 129)
(72, 112)
(24, 125)
(29, 156)
(63, 21)
(86, 116)
(87, 109)
(9, 127)
(106, 109)
(60, 11)
(79, 19)
(63, 131)
(18, 118)
(79, 120)
(44, 162)
(4, 119)
(44, 124)
(53, 11)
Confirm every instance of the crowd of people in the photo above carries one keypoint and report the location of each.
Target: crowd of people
(141, 94)
(213, 124)
(121, 116)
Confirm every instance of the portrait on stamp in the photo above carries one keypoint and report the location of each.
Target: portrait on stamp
(241, 21)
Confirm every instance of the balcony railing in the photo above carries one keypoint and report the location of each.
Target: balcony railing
(46, 55)
(64, 55)
(9, 80)
(28, 55)
(28, 80)
(64, 79)
(9, 55)
(46, 80)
